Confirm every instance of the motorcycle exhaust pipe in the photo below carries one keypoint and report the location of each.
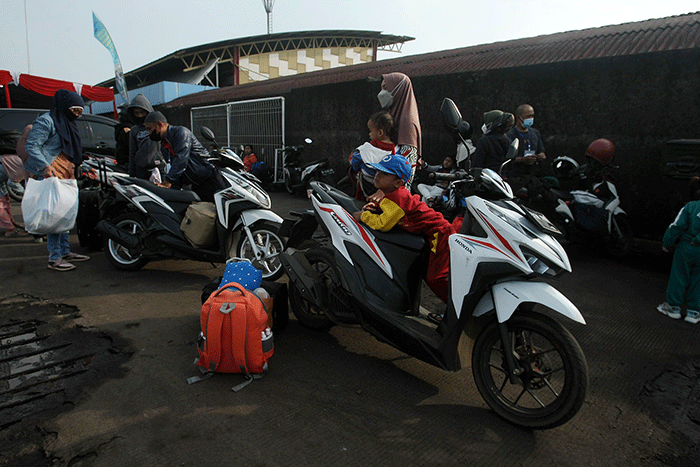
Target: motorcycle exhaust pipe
(125, 239)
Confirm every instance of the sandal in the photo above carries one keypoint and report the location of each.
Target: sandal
(435, 318)
(75, 257)
(61, 265)
(16, 233)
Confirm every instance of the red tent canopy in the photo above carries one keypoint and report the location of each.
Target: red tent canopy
(48, 87)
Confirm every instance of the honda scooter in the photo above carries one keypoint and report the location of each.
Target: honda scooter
(526, 365)
(141, 221)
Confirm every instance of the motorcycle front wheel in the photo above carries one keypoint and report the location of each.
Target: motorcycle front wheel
(288, 182)
(266, 240)
(120, 256)
(621, 237)
(309, 315)
(552, 386)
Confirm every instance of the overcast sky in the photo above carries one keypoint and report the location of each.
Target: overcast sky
(61, 43)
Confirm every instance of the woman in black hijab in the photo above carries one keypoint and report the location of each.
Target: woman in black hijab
(55, 149)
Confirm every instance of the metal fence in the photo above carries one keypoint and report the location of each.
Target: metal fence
(258, 122)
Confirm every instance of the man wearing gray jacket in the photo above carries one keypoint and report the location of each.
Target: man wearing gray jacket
(144, 154)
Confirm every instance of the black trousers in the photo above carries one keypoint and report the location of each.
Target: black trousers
(208, 187)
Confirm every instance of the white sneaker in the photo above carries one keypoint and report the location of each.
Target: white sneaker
(670, 311)
(692, 316)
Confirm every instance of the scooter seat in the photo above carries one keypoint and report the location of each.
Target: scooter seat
(397, 235)
(348, 203)
(309, 164)
(168, 194)
(400, 237)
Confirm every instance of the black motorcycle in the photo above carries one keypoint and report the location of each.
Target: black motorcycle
(582, 201)
(298, 176)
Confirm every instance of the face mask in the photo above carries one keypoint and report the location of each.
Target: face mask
(484, 129)
(528, 122)
(386, 98)
(155, 136)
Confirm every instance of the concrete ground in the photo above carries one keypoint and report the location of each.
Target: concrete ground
(339, 398)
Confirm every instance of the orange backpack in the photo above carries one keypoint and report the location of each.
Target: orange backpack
(235, 337)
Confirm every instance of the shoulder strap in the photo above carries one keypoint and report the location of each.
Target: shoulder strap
(239, 336)
(212, 345)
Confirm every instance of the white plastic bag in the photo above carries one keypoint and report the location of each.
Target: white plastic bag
(155, 177)
(50, 205)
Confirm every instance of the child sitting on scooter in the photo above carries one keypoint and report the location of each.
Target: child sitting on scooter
(399, 207)
(380, 126)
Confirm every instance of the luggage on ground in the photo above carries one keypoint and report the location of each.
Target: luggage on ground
(235, 337)
(241, 271)
(278, 291)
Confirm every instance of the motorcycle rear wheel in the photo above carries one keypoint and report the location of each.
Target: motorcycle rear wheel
(554, 381)
(310, 316)
(119, 256)
(15, 190)
(266, 238)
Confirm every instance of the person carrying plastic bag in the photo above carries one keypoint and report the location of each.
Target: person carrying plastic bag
(55, 148)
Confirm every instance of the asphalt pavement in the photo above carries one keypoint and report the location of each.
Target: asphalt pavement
(330, 399)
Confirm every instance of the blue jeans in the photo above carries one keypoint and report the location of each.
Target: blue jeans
(58, 246)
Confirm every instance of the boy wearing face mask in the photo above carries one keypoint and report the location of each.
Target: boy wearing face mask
(531, 149)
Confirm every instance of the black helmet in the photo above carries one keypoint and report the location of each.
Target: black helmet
(564, 167)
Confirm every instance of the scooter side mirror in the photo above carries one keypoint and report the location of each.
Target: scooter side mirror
(207, 133)
(308, 141)
(450, 115)
(513, 149)
(510, 155)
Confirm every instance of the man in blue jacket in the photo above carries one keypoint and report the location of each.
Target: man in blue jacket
(187, 158)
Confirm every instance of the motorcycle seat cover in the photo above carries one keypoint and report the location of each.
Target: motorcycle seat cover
(309, 164)
(563, 195)
(397, 235)
(168, 194)
(400, 237)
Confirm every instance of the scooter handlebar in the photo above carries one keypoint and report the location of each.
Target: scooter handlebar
(459, 175)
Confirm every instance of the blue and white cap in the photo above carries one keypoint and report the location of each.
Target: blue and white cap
(395, 164)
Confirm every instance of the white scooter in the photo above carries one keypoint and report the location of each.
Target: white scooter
(528, 367)
(141, 221)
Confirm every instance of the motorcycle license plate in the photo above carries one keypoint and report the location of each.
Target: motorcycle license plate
(327, 172)
(541, 221)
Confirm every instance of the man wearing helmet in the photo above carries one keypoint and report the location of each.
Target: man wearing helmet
(493, 145)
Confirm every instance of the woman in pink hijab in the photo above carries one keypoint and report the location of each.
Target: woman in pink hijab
(397, 97)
